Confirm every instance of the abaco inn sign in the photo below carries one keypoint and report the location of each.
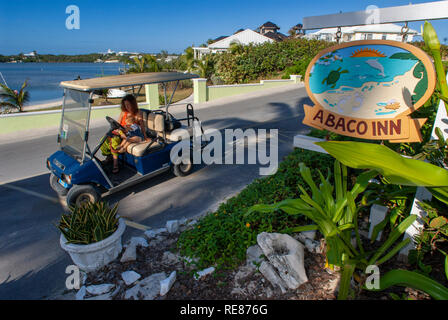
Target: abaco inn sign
(368, 89)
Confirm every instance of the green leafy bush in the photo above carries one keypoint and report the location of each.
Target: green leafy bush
(334, 210)
(432, 238)
(299, 68)
(89, 223)
(222, 237)
(252, 62)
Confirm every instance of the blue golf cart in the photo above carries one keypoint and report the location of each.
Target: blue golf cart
(78, 173)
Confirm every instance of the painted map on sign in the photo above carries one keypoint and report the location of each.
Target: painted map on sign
(369, 80)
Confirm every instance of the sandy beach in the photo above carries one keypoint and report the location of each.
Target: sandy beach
(43, 105)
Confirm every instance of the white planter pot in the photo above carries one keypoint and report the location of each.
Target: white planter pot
(93, 256)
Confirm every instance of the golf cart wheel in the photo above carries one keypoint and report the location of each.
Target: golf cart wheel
(82, 194)
(60, 190)
(182, 170)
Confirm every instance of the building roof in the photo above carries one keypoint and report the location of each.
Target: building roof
(244, 37)
(276, 36)
(219, 38)
(269, 24)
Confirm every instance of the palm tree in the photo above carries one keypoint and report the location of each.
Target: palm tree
(205, 67)
(292, 32)
(189, 59)
(145, 63)
(137, 65)
(151, 63)
(13, 98)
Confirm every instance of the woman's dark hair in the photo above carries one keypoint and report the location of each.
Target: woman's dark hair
(131, 99)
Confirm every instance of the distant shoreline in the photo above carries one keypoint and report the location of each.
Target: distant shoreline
(30, 62)
(38, 105)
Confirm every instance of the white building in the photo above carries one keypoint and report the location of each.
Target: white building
(31, 54)
(367, 32)
(244, 37)
(126, 53)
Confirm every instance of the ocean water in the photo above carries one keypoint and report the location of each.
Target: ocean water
(380, 69)
(44, 78)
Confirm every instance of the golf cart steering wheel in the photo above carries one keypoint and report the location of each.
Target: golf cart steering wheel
(114, 124)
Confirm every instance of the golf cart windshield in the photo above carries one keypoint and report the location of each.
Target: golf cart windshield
(75, 116)
(76, 110)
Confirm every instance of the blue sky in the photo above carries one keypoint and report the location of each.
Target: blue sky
(152, 26)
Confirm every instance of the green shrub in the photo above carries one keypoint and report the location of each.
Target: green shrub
(253, 62)
(299, 68)
(222, 237)
(89, 223)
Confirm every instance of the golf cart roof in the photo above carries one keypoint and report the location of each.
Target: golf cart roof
(126, 80)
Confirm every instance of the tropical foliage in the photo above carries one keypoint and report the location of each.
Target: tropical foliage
(333, 204)
(223, 236)
(14, 99)
(186, 61)
(334, 211)
(242, 64)
(89, 223)
(143, 63)
(205, 67)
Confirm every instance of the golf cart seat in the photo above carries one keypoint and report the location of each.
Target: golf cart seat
(142, 148)
(155, 125)
(158, 126)
(186, 133)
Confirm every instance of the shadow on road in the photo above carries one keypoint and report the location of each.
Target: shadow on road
(30, 256)
(32, 264)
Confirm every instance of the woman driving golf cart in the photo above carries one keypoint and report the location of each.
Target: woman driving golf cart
(76, 171)
(130, 118)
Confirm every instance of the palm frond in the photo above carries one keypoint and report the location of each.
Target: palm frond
(8, 104)
(25, 83)
(7, 91)
(12, 99)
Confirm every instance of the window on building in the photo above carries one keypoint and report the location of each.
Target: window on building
(384, 37)
(369, 36)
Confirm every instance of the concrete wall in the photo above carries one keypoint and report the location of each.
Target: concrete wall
(43, 119)
(204, 93)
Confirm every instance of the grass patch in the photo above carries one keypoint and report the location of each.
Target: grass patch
(179, 95)
(223, 236)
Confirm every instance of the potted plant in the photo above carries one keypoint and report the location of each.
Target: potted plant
(91, 234)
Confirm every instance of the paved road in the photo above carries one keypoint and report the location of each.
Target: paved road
(32, 264)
